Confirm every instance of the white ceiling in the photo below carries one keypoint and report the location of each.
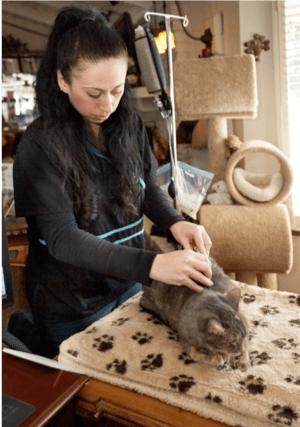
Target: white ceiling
(37, 17)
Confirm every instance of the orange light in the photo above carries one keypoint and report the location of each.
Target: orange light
(161, 41)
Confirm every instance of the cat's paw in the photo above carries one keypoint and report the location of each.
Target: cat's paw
(244, 363)
(202, 356)
(216, 360)
(195, 354)
(244, 366)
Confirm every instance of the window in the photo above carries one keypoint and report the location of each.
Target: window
(288, 14)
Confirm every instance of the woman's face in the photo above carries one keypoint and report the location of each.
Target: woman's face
(96, 88)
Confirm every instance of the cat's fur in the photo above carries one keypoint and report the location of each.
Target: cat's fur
(209, 325)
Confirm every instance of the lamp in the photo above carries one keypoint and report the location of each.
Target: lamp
(160, 34)
(161, 39)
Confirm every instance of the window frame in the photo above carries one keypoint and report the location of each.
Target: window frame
(281, 93)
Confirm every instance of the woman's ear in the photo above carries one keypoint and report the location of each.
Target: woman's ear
(61, 82)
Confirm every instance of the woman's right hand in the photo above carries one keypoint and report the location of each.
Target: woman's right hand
(182, 268)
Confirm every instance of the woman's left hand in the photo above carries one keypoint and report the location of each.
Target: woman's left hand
(191, 236)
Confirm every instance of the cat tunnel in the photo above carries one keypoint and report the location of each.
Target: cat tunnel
(251, 189)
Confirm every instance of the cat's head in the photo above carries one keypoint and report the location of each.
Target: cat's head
(224, 327)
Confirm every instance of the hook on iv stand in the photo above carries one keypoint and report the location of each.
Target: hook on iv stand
(172, 125)
(183, 18)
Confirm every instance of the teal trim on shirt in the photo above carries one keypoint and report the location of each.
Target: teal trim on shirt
(117, 230)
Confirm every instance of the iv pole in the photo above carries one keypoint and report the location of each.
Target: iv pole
(172, 124)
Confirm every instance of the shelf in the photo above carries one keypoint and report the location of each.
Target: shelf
(144, 101)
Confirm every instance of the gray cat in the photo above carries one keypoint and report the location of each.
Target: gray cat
(210, 328)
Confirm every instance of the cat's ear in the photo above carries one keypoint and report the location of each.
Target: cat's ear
(234, 295)
(215, 327)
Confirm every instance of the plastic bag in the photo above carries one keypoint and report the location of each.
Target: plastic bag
(191, 186)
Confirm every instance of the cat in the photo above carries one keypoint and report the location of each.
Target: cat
(210, 328)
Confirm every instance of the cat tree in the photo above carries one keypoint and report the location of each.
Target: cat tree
(254, 242)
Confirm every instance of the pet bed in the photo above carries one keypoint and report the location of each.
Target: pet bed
(134, 350)
(245, 188)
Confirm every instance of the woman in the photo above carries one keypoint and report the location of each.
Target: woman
(84, 176)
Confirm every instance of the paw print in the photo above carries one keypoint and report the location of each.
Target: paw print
(215, 399)
(104, 343)
(136, 297)
(120, 321)
(266, 309)
(125, 305)
(119, 367)
(182, 383)
(172, 336)
(248, 298)
(73, 353)
(253, 385)
(292, 379)
(185, 358)
(142, 338)
(285, 344)
(283, 415)
(92, 331)
(153, 361)
(259, 358)
(294, 322)
(251, 335)
(296, 357)
(260, 322)
(294, 299)
(155, 320)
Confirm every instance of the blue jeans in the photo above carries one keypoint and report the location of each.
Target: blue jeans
(54, 333)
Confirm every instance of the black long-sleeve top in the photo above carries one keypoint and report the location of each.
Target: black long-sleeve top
(72, 272)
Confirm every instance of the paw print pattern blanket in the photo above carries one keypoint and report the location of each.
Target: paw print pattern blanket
(132, 349)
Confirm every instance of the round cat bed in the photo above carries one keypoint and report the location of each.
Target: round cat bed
(256, 189)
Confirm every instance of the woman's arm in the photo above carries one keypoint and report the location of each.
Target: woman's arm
(67, 243)
(181, 267)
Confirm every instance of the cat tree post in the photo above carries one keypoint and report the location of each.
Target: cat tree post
(217, 133)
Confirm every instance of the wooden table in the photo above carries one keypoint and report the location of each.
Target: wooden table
(100, 401)
(16, 229)
(50, 391)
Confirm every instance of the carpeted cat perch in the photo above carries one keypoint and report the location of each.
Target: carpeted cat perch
(252, 240)
(254, 243)
(216, 89)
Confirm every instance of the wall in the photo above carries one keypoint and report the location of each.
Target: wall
(43, 17)
(291, 281)
(256, 17)
(198, 12)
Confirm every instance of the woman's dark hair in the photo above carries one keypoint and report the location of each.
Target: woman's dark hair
(84, 34)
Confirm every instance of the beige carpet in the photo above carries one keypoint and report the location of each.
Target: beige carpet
(132, 349)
